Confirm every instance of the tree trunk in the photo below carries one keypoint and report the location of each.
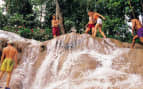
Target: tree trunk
(133, 13)
(42, 14)
(60, 17)
(141, 2)
(7, 5)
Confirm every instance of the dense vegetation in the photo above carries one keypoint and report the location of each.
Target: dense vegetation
(23, 19)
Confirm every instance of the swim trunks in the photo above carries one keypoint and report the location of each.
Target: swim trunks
(56, 31)
(91, 26)
(99, 21)
(7, 65)
(140, 32)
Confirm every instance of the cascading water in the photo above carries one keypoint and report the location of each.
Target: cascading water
(76, 62)
(65, 66)
(23, 75)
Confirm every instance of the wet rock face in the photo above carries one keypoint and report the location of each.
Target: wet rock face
(3, 43)
(134, 60)
(75, 61)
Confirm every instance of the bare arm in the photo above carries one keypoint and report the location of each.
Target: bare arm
(101, 16)
(133, 26)
(57, 22)
(52, 23)
(15, 58)
(3, 54)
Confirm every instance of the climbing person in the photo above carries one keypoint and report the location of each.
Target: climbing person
(8, 62)
(98, 24)
(55, 27)
(91, 23)
(136, 25)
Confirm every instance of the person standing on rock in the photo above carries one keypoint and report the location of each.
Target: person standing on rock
(98, 24)
(8, 62)
(91, 23)
(55, 27)
(136, 25)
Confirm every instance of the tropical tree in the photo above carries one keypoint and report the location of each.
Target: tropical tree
(59, 16)
(18, 6)
(57, 11)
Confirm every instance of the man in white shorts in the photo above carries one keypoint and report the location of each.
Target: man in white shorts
(98, 24)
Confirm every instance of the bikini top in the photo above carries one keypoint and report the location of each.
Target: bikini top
(96, 17)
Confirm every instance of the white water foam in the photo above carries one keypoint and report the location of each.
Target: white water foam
(99, 78)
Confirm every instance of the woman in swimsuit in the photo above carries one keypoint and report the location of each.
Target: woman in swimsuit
(98, 24)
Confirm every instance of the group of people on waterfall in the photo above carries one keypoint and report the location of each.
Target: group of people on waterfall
(95, 23)
(9, 54)
(94, 17)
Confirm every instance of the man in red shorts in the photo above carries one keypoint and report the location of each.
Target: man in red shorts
(55, 27)
(91, 23)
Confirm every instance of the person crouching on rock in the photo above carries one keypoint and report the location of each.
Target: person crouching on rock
(8, 62)
(55, 27)
(91, 23)
(136, 25)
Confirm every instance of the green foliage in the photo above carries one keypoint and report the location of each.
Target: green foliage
(68, 24)
(10, 28)
(19, 6)
(16, 19)
(3, 20)
(37, 34)
(74, 13)
(24, 32)
(42, 35)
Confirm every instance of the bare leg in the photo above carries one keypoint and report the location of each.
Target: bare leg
(133, 41)
(8, 79)
(54, 36)
(100, 30)
(95, 30)
(1, 74)
(141, 39)
(87, 30)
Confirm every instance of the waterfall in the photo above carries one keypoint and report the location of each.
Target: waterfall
(65, 66)
(23, 75)
(75, 61)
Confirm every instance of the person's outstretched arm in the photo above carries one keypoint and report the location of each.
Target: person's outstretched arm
(15, 58)
(52, 23)
(133, 26)
(101, 16)
(2, 57)
(58, 22)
